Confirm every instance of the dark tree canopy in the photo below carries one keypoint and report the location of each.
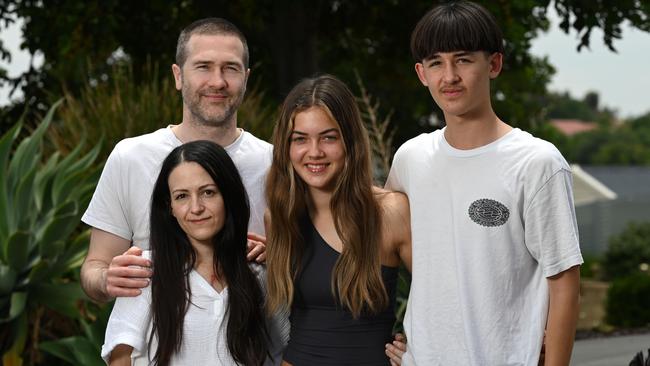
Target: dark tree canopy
(290, 40)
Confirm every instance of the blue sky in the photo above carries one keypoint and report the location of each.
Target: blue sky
(621, 79)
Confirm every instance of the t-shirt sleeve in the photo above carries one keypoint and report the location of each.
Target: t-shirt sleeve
(397, 173)
(129, 324)
(107, 210)
(550, 225)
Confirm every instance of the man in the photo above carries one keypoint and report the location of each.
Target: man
(495, 240)
(211, 71)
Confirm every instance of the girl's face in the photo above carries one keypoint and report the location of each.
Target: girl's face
(196, 203)
(316, 149)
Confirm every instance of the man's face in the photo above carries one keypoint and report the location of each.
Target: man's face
(459, 82)
(213, 79)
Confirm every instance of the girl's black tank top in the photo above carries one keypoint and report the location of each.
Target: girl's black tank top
(322, 331)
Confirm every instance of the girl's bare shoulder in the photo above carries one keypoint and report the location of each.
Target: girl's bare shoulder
(394, 205)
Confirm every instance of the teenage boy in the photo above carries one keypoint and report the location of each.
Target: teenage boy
(495, 241)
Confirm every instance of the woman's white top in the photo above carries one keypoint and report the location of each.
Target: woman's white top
(204, 330)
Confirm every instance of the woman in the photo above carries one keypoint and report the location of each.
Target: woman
(204, 305)
(334, 240)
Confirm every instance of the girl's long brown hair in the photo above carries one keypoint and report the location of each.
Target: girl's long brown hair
(356, 277)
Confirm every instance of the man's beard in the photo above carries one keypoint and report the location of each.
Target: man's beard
(201, 113)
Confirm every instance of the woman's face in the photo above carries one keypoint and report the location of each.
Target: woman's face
(196, 203)
(316, 149)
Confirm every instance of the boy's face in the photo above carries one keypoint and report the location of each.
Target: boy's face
(459, 82)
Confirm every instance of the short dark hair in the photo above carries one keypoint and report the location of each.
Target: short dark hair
(209, 26)
(456, 26)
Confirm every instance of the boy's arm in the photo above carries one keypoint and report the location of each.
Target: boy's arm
(564, 292)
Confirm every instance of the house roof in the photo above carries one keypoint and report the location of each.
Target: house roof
(570, 127)
(628, 182)
(587, 189)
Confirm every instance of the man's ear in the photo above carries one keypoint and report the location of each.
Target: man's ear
(496, 64)
(419, 69)
(178, 76)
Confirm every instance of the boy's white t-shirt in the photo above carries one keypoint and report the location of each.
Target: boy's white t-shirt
(489, 225)
(121, 202)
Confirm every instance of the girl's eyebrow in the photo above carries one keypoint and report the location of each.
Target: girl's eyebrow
(320, 133)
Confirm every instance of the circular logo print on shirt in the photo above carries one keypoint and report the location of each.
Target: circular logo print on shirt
(487, 212)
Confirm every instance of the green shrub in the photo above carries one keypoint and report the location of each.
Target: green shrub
(402, 297)
(41, 201)
(83, 349)
(120, 107)
(116, 108)
(628, 301)
(628, 251)
(592, 267)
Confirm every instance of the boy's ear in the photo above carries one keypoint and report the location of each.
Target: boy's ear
(419, 69)
(496, 64)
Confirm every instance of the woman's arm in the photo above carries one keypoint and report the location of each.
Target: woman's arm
(127, 327)
(121, 355)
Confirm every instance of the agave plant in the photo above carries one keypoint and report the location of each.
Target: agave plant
(83, 349)
(41, 201)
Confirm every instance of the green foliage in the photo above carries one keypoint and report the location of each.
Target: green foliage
(628, 251)
(292, 40)
(402, 296)
(82, 349)
(549, 133)
(256, 114)
(40, 208)
(585, 16)
(627, 144)
(117, 108)
(628, 301)
(564, 106)
(641, 123)
(592, 267)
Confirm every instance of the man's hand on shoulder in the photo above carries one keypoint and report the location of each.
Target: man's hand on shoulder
(127, 274)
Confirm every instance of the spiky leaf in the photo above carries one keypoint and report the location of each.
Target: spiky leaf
(7, 279)
(75, 350)
(60, 297)
(18, 250)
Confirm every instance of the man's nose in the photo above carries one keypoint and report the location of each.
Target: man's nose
(217, 79)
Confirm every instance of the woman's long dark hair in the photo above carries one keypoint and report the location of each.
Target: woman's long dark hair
(173, 258)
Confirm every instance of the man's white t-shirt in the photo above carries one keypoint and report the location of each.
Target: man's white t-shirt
(121, 202)
(489, 225)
